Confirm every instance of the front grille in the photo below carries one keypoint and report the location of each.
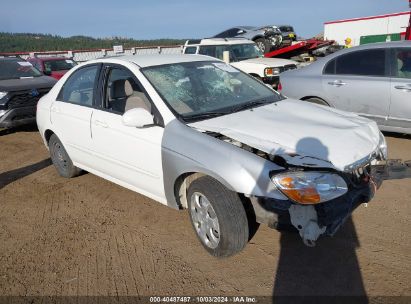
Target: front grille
(25, 98)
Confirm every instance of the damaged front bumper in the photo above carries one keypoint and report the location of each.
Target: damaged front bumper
(312, 221)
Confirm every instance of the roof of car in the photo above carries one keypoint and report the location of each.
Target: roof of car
(158, 59)
(321, 62)
(11, 59)
(369, 46)
(245, 27)
(383, 44)
(49, 58)
(219, 41)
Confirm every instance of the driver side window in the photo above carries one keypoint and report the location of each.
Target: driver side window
(122, 92)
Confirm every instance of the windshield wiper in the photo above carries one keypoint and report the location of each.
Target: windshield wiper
(205, 115)
(251, 105)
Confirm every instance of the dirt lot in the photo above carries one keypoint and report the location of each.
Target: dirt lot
(87, 236)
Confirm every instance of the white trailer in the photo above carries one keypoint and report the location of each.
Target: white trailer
(354, 28)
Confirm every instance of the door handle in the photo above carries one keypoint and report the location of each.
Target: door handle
(406, 88)
(337, 83)
(100, 124)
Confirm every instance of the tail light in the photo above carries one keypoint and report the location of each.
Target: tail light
(279, 87)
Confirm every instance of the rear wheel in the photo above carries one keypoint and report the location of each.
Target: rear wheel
(317, 101)
(218, 217)
(61, 159)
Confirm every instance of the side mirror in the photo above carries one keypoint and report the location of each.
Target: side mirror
(240, 32)
(138, 118)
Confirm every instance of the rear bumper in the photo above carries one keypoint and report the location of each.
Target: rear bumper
(18, 116)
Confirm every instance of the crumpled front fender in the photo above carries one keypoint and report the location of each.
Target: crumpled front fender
(186, 150)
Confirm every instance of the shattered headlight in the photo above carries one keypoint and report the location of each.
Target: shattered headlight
(382, 146)
(310, 187)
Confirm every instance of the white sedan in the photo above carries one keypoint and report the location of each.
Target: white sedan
(193, 132)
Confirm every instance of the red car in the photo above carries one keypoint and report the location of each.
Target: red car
(55, 67)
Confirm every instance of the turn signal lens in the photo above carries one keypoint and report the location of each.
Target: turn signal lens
(268, 72)
(310, 187)
(271, 71)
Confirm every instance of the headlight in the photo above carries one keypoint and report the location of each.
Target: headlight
(2, 94)
(271, 71)
(310, 187)
(382, 145)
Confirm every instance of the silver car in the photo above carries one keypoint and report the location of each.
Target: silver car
(266, 37)
(372, 80)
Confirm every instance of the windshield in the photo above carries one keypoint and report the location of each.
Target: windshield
(238, 52)
(15, 69)
(199, 90)
(59, 65)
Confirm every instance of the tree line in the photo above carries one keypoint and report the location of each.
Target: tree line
(28, 42)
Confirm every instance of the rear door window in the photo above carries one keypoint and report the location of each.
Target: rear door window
(330, 67)
(79, 88)
(362, 63)
(401, 63)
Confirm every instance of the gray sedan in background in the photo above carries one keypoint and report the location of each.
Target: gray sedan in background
(372, 80)
(266, 37)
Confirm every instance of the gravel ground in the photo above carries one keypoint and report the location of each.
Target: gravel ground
(87, 236)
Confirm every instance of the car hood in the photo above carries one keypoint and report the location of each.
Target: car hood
(270, 62)
(10, 85)
(302, 133)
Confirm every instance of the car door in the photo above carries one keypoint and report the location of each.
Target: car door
(359, 82)
(128, 155)
(400, 109)
(71, 113)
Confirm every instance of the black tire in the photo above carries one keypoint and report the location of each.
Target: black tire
(263, 45)
(229, 211)
(317, 101)
(61, 159)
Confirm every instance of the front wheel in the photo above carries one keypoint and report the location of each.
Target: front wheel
(218, 217)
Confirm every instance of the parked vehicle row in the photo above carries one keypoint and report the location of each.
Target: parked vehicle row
(266, 37)
(372, 80)
(55, 67)
(243, 55)
(22, 85)
(191, 131)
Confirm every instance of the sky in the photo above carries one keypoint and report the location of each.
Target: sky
(152, 19)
